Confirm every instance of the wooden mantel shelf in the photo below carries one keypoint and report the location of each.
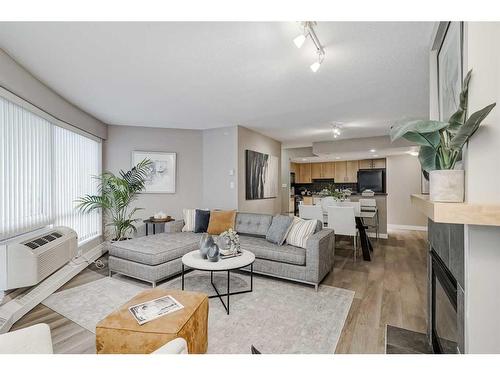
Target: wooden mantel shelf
(457, 213)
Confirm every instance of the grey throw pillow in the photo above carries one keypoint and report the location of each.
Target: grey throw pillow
(279, 229)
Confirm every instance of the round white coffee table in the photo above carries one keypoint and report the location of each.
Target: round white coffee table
(193, 260)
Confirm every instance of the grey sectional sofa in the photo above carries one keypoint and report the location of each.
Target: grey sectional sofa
(157, 257)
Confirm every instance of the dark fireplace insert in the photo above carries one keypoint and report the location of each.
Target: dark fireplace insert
(443, 308)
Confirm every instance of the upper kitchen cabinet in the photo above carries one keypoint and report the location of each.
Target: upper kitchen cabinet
(322, 170)
(294, 168)
(304, 175)
(352, 171)
(328, 170)
(316, 172)
(371, 163)
(346, 171)
(378, 163)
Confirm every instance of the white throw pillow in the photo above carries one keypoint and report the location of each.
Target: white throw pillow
(189, 217)
(300, 231)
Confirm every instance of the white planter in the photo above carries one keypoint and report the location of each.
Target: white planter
(447, 185)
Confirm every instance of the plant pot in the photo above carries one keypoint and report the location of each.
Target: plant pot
(447, 185)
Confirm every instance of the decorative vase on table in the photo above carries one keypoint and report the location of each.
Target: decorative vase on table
(206, 242)
(213, 253)
(447, 185)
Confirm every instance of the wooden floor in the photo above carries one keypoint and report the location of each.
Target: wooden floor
(391, 289)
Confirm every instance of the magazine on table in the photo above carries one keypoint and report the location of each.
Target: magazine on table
(150, 310)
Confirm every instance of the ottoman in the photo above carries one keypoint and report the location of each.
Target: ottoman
(119, 332)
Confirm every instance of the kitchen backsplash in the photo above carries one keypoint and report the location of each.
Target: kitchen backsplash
(317, 185)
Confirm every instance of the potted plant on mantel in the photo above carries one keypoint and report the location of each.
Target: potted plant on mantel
(115, 195)
(441, 146)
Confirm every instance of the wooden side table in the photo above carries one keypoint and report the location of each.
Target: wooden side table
(155, 222)
(119, 332)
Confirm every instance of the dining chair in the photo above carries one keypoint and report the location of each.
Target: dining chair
(327, 202)
(355, 205)
(342, 220)
(371, 204)
(311, 212)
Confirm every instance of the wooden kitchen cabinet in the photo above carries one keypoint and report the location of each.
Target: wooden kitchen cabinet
(352, 168)
(346, 171)
(316, 171)
(294, 169)
(328, 170)
(371, 163)
(365, 164)
(324, 170)
(340, 171)
(379, 163)
(308, 200)
(304, 175)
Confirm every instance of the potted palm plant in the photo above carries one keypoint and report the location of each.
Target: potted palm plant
(441, 146)
(116, 193)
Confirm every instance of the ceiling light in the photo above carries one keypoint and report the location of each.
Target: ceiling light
(309, 32)
(315, 66)
(413, 153)
(336, 130)
(338, 157)
(299, 41)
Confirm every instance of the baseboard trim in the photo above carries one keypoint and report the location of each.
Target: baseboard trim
(380, 235)
(407, 227)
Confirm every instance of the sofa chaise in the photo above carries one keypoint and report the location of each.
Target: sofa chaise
(157, 257)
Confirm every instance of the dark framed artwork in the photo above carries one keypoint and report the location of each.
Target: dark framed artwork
(262, 175)
(450, 70)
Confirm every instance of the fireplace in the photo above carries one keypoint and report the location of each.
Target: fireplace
(444, 316)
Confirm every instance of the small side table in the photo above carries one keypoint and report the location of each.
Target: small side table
(155, 222)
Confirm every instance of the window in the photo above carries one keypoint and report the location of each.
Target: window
(43, 169)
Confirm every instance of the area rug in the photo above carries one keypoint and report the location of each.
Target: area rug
(89, 303)
(277, 317)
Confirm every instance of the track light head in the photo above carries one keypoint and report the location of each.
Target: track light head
(299, 41)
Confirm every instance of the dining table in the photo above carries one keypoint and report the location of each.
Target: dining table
(366, 245)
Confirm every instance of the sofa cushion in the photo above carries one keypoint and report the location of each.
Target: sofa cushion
(279, 229)
(264, 249)
(188, 214)
(253, 224)
(220, 221)
(300, 231)
(201, 220)
(156, 249)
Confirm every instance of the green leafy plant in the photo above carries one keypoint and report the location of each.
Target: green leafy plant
(332, 192)
(441, 142)
(116, 193)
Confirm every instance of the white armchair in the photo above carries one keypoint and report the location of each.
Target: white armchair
(176, 346)
(31, 340)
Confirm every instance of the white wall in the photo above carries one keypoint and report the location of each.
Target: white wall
(188, 144)
(14, 78)
(220, 168)
(482, 283)
(403, 179)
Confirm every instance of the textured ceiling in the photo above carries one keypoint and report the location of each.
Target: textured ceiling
(205, 75)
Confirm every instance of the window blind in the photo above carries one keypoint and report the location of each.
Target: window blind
(43, 169)
(75, 160)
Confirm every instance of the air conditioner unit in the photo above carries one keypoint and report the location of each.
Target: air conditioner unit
(29, 259)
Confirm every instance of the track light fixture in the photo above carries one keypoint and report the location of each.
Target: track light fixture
(308, 31)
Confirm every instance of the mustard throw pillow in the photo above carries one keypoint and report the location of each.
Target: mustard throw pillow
(221, 221)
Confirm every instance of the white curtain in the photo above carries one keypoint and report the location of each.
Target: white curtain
(43, 169)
